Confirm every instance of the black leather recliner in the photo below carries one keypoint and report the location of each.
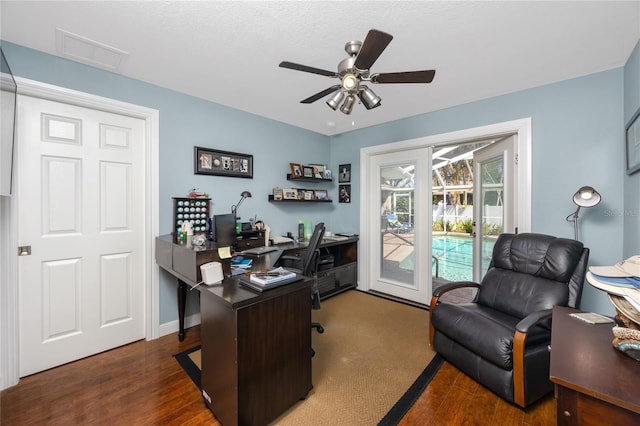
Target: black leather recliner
(501, 339)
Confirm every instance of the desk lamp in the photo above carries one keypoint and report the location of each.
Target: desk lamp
(245, 194)
(584, 197)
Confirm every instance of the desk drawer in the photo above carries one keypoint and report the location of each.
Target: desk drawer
(326, 282)
(345, 275)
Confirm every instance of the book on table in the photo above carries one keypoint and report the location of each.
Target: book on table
(241, 262)
(272, 276)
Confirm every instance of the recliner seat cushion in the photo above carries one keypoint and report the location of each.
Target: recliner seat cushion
(484, 331)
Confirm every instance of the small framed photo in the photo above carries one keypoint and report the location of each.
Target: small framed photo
(290, 194)
(277, 193)
(344, 173)
(318, 170)
(296, 170)
(307, 171)
(308, 195)
(328, 174)
(222, 163)
(344, 193)
(301, 194)
(321, 194)
(633, 144)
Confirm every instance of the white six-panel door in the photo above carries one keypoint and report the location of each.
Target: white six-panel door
(81, 215)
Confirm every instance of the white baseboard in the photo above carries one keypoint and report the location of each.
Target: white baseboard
(174, 326)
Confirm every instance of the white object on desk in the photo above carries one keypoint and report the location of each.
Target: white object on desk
(211, 273)
(281, 240)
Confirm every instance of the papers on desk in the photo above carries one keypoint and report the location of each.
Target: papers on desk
(267, 279)
(591, 317)
(335, 238)
(273, 276)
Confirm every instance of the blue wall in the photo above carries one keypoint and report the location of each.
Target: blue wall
(185, 122)
(631, 211)
(578, 134)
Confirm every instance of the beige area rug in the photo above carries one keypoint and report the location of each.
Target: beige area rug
(371, 352)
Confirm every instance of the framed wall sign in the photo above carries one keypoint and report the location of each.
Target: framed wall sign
(344, 194)
(222, 163)
(633, 145)
(344, 173)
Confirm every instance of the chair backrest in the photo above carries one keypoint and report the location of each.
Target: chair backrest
(392, 218)
(311, 255)
(532, 272)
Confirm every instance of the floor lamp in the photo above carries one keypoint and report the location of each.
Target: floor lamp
(584, 197)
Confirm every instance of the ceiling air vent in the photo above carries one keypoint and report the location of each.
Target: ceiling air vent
(87, 51)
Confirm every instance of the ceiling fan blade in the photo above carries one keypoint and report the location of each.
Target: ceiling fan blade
(305, 68)
(371, 49)
(320, 95)
(425, 76)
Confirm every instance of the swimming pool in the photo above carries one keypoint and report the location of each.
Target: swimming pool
(455, 257)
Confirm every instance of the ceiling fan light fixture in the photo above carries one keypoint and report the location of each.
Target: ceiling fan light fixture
(334, 101)
(350, 82)
(347, 106)
(369, 99)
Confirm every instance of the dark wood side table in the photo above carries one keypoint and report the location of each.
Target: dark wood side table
(595, 384)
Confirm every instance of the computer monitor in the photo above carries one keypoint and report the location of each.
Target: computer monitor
(225, 229)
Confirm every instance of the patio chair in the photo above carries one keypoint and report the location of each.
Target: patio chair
(396, 226)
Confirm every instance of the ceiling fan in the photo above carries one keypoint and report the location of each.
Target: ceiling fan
(354, 70)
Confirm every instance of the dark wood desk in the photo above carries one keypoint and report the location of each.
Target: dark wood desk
(256, 347)
(595, 383)
(256, 350)
(183, 262)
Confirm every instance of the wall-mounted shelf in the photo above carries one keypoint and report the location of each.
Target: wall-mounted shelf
(307, 179)
(271, 199)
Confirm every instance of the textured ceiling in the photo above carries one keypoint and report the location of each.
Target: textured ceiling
(228, 52)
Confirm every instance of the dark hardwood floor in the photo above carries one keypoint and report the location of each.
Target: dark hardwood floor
(141, 384)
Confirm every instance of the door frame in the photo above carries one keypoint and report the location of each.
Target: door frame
(9, 335)
(520, 127)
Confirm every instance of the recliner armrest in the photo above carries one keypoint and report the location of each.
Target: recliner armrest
(532, 319)
(452, 286)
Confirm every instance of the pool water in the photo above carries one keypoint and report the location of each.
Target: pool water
(455, 257)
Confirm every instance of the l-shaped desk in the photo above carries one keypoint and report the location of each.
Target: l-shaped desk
(183, 261)
(256, 346)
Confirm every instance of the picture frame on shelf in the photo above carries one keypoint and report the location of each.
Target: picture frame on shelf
(318, 170)
(296, 170)
(301, 194)
(215, 162)
(344, 173)
(321, 194)
(309, 195)
(307, 171)
(633, 144)
(328, 174)
(277, 193)
(289, 194)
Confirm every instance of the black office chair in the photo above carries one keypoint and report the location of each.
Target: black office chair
(307, 265)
